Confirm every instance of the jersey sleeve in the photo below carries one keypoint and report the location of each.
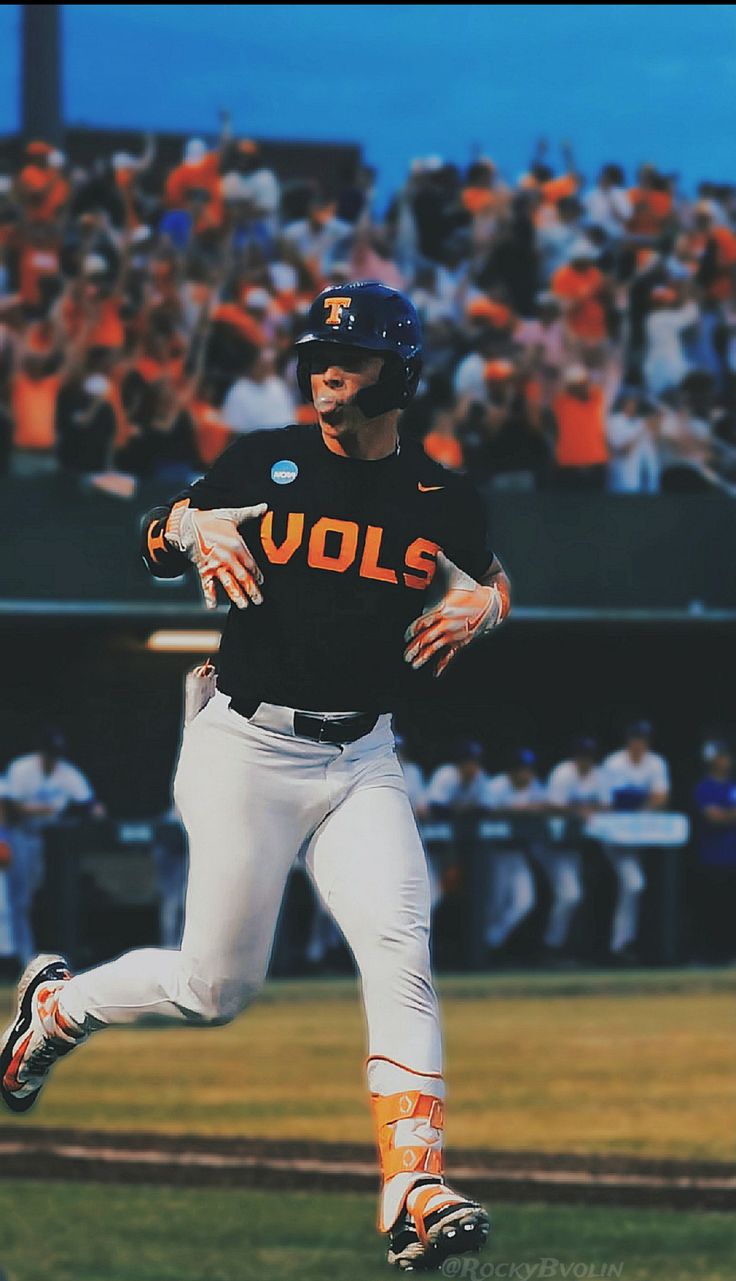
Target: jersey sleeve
(228, 483)
(441, 788)
(78, 786)
(14, 782)
(468, 543)
(495, 794)
(558, 791)
(660, 775)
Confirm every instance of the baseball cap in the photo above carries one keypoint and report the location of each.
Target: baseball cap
(639, 729)
(52, 740)
(523, 758)
(716, 747)
(585, 745)
(468, 750)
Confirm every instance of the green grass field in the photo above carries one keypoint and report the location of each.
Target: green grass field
(49, 1232)
(638, 1063)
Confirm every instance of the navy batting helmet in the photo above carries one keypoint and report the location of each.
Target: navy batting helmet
(375, 318)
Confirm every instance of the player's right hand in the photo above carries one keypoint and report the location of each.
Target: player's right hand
(213, 544)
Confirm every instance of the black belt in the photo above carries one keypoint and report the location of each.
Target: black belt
(321, 729)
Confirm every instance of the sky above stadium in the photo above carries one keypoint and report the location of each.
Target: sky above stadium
(622, 82)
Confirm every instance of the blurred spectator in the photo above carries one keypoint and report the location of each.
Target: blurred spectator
(581, 451)
(260, 399)
(252, 184)
(502, 435)
(542, 342)
(714, 803)
(43, 787)
(651, 203)
(581, 289)
(635, 778)
(512, 893)
(608, 204)
(321, 238)
(85, 422)
(665, 364)
(632, 432)
(686, 444)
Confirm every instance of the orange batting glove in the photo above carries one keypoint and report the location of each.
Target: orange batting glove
(211, 541)
(466, 611)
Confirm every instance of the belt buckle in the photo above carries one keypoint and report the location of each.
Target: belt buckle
(322, 730)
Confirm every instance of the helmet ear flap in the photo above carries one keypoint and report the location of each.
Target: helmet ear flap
(303, 377)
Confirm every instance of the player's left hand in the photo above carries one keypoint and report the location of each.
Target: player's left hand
(465, 611)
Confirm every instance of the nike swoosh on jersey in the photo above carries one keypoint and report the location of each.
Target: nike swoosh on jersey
(428, 489)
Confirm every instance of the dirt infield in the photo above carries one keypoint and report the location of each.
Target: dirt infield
(192, 1160)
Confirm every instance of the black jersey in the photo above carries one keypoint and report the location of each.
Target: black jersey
(347, 549)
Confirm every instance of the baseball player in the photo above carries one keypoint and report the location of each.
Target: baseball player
(456, 788)
(512, 892)
(362, 569)
(41, 786)
(575, 788)
(635, 778)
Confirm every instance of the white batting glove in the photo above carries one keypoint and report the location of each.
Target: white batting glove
(466, 611)
(211, 541)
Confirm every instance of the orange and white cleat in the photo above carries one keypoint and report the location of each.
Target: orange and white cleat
(39, 1035)
(435, 1223)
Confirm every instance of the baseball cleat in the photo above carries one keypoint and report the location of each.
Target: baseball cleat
(435, 1223)
(39, 1035)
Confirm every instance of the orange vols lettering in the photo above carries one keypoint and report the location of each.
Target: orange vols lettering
(279, 553)
(317, 556)
(369, 566)
(333, 307)
(422, 556)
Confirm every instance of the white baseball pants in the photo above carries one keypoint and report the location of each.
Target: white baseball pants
(253, 798)
(511, 895)
(630, 885)
(563, 871)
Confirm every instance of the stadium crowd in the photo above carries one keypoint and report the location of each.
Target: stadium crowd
(581, 331)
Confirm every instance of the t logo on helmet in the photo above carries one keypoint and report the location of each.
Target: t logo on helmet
(333, 307)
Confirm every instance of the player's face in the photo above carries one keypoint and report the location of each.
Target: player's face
(522, 777)
(337, 375)
(638, 747)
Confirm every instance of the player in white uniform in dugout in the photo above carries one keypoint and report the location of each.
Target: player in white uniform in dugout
(636, 778)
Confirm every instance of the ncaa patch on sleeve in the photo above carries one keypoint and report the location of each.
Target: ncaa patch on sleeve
(284, 472)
